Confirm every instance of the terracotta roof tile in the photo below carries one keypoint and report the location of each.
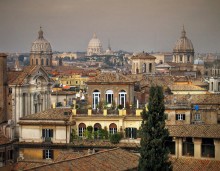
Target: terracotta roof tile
(143, 56)
(189, 163)
(186, 87)
(194, 98)
(17, 77)
(50, 114)
(114, 159)
(208, 131)
(110, 78)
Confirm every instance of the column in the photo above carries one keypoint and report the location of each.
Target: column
(197, 147)
(32, 104)
(28, 104)
(217, 148)
(178, 146)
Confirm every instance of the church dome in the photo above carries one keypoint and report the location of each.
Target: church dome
(94, 46)
(183, 44)
(94, 42)
(41, 44)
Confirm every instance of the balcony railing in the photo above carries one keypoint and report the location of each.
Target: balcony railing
(47, 139)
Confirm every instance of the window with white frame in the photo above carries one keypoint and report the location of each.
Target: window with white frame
(48, 154)
(47, 135)
(180, 117)
(122, 98)
(198, 116)
(96, 98)
(112, 128)
(109, 96)
(81, 129)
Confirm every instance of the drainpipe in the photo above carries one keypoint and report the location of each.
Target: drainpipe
(66, 131)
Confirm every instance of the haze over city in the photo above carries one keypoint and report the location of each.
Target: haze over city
(153, 25)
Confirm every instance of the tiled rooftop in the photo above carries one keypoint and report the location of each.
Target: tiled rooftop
(50, 114)
(186, 87)
(17, 77)
(110, 78)
(115, 159)
(195, 130)
(143, 56)
(63, 93)
(107, 160)
(194, 98)
(192, 164)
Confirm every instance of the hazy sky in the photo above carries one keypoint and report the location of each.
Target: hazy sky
(132, 25)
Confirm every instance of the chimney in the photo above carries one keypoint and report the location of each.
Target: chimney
(3, 87)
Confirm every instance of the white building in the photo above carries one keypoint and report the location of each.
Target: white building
(30, 92)
(94, 46)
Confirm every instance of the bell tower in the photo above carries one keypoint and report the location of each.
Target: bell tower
(3, 87)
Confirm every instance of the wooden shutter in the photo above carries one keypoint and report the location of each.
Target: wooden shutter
(44, 156)
(126, 132)
(176, 116)
(52, 154)
(183, 116)
(43, 132)
(51, 132)
(134, 131)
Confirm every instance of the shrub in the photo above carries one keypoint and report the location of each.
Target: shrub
(120, 106)
(89, 128)
(115, 138)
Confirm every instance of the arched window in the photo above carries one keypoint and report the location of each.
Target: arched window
(144, 68)
(97, 126)
(122, 98)
(150, 67)
(81, 129)
(188, 58)
(47, 62)
(36, 61)
(95, 99)
(109, 96)
(42, 61)
(112, 128)
(181, 58)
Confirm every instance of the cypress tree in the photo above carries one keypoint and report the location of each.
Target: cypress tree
(153, 153)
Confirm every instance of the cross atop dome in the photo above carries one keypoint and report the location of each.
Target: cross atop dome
(183, 32)
(94, 36)
(40, 33)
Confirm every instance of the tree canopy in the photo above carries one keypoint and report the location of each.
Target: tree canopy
(154, 154)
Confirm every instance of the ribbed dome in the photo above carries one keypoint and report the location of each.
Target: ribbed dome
(183, 44)
(94, 42)
(94, 47)
(41, 44)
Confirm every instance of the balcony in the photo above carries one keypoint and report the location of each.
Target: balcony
(47, 139)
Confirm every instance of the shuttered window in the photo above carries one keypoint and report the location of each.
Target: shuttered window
(48, 154)
(180, 117)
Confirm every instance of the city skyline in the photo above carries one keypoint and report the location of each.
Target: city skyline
(129, 25)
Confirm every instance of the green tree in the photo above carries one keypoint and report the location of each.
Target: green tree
(154, 154)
